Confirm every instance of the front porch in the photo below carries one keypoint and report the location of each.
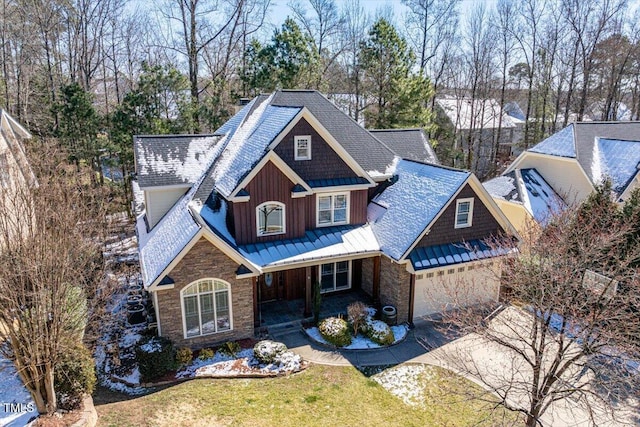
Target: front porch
(281, 312)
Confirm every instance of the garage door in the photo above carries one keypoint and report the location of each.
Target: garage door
(444, 289)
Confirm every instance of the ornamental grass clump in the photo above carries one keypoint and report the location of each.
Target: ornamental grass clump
(184, 356)
(206, 353)
(230, 348)
(335, 331)
(267, 351)
(379, 332)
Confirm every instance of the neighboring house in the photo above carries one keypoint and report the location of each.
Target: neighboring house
(567, 166)
(475, 125)
(291, 191)
(15, 175)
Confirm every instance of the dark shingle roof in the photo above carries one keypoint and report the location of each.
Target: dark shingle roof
(423, 258)
(171, 159)
(366, 150)
(411, 144)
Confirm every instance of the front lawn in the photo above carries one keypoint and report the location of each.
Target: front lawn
(319, 396)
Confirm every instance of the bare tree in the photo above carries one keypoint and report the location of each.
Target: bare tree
(47, 274)
(566, 345)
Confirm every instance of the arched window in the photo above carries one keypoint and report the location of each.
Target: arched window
(270, 218)
(206, 307)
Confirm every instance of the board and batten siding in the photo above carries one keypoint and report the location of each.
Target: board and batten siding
(325, 163)
(483, 224)
(158, 202)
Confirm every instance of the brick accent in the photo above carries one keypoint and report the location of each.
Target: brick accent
(394, 287)
(367, 275)
(204, 260)
(443, 231)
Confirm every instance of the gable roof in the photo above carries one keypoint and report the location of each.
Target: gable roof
(411, 203)
(411, 144)
(12, 135)
(370, 153)
(599, 148)
(467, 113)
(528, 188)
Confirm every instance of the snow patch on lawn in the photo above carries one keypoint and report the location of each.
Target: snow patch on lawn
(404, 382)
(360, 342)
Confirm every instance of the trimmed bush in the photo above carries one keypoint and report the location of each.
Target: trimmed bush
(230, 348)
(155, 357)
(184, 356)
(268, 351)
(74, 375)
(379, 332)
(206, 353)
(335, 331)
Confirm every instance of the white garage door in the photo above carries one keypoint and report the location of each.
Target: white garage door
(459, 285)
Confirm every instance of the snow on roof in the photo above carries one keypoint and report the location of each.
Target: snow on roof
(412, 202)
(616, 159)
(560, 144)
(538, 197)
(514, 111)
(172, 159)
(423, 258)
(503, 187)
(466, 113)
(249, 144)
(321, 243)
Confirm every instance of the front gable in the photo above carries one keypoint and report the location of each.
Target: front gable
(324, 162)
(443, 230)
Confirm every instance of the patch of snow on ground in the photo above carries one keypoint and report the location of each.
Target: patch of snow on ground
(360, 342)
(404, 382)
(12, 391)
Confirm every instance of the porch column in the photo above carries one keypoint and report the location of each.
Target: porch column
(308, 290)
(376, 281)
(412, 298)
(256, 312)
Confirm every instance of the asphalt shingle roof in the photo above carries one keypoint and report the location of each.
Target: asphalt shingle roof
(424, 258)
(410, 144)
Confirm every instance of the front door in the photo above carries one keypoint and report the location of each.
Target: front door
(269, 285)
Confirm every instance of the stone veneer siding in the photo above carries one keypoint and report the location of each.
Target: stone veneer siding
(203, 261)
(395, 287)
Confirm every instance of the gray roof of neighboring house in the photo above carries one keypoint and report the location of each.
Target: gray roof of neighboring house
(467, 113)
(163, 160)
(411, 144)
(580, 141)
(13, 134)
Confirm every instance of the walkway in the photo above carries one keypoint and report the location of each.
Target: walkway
(414, 348)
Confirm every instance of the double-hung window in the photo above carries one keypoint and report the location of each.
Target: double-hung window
(206, 307)
(302, 147)
(270, 218)
(332, 209)
(335, 276)
(464, 213)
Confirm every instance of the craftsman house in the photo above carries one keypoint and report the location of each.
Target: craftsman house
(291, 191)
(565, 168)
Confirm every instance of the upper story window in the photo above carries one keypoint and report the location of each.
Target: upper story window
(270, 218)
(206, 307)
(302, 145)
(332, 209)
(464, 212)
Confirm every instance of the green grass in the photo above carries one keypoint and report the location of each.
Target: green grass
(319, 396)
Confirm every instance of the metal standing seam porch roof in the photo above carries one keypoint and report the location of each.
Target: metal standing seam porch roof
(453, 253)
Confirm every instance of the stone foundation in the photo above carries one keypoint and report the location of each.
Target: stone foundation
(395, 287)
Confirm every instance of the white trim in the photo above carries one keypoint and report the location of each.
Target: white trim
(332, 208)
(299, 194)
(283, 219)
(215, 311)
(241, 199)
(469, 221)
(296, 140)
(335, 272)
(157, 310)
(326, 136)
(280, 164)
(342, 188)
